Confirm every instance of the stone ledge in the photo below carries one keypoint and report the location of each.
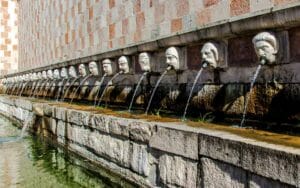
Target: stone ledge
(268, 160)
(214, 149)
(180, 142)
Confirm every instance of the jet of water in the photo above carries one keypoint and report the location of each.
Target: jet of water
(60, 89)
(155, 88)
(20, 94)
(191, 92)
(80, 84)
(247, 98)
(67, 91)
(102, 95)
(100, 85)
(136, 89)
(42, 86)
(46, 91)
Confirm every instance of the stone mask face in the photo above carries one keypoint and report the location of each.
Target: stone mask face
(265, 51)
(50, 74)
(265, 45)
(172, 58)
(63, 73)
(39, 75)
(107, 67)
(209, 54)
(81, 70)
(123, 64)
(72, 72)
(34, 77)
(56, 74)
(144, 62)
(93, 68)
(44, 75)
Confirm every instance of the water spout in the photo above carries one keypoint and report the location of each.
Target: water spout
(47, 89)
(60, 90)
(100, 84)
(191, 92)
(251, 87)
(155, 88)
(102, 95)
(67, 91)
(20, 94)
(84, 79)
(136, 89)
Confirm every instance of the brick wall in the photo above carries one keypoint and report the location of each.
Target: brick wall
(8, 36)
(52, 31)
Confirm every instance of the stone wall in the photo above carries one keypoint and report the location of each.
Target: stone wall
(161, 154)
(8, 36)
(56, 31)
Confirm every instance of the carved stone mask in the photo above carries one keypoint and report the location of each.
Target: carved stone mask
(266, 47)
(81, 70)
(72, 72)
(107, 67)
(123, 64)
(56, 74)
(209, 55)
(172, 58)
(50, 74)
(44, 75)
(39, 75)
(34, 76)
(144, 61)
(93, 68)
(63, 73)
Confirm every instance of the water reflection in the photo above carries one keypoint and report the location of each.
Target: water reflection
(33, 162)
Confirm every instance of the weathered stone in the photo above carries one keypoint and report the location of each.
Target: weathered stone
(177, 171)
(139, 160)
(9, 101)
(119, 151)
(74, 116)
(25, 104)
(78, 117)
(78, 134)
(119, 126)
(47, 109)
(218, 174)
(217, 148)
(258, 181)
(257, 157)
(60, 113)
(53, 126)
(140, 131)
(100, 123)
(205, 97)
(180, 142)
(260, 98)
(61, 129)
(38, 109)
(271, 163)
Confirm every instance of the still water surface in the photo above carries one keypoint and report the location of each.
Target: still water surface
(32, 162)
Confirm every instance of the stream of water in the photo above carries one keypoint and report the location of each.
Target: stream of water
(32, 162)
(247, 97)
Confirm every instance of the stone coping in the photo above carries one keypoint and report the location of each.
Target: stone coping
(265, 159)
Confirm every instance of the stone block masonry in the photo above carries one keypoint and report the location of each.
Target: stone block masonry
(155, 154)
(8, 36)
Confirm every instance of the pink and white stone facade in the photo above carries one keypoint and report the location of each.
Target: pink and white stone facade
(8, 36)
(53, 31)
